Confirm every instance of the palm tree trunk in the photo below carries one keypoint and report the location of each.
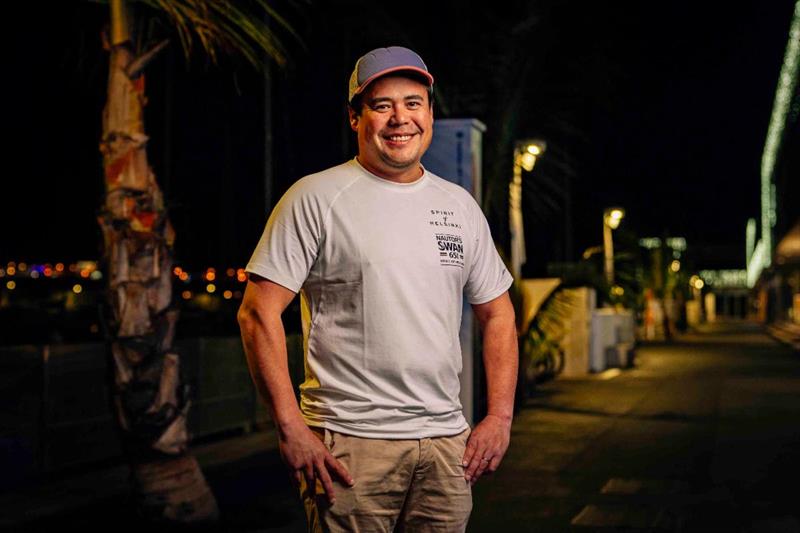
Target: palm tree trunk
(150, 399)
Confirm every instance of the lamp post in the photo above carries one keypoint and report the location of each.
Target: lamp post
(526, 152)
(611, 219)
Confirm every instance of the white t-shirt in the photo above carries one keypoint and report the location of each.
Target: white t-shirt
(382, 268)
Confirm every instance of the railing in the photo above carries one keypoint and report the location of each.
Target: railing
(55, 408)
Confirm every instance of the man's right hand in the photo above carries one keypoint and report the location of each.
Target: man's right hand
(306, 456)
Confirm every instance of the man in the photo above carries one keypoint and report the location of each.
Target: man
(382, 252)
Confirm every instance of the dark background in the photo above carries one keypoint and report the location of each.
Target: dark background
(660, 108)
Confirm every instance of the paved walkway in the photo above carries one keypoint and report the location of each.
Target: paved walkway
(702, 435)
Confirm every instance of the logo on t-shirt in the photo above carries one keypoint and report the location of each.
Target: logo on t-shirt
(451, 249)
(443, 219)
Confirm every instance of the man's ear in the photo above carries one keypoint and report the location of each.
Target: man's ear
(353, 118)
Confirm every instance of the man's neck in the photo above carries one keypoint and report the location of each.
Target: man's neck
(401, 176)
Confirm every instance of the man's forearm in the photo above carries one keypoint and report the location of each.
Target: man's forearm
(501, 361)
(264, 343)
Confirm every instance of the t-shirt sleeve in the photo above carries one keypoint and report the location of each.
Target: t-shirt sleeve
(488, 276)
(289, 245)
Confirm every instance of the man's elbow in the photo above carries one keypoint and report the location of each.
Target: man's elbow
(246, 317)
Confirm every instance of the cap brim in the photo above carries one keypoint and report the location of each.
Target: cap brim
(417, 70)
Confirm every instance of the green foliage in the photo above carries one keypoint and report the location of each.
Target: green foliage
(245, 28)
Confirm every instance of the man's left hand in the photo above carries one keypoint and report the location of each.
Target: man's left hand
(486, 447)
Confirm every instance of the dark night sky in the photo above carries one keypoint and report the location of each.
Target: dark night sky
(669, 102)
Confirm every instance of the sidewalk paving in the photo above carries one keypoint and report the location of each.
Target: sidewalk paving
(700, 436)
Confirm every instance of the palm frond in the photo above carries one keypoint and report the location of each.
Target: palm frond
(224, 26)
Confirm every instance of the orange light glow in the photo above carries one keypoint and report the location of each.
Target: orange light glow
(186, 295)
(211, 275)
(177, 271)
(59, 267)
(47, 272)
(85, 273)
(184, 276)
(227, 295)
(22, 267)
(230, 272)
(11, 270)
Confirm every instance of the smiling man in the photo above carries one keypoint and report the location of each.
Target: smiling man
(382, 252)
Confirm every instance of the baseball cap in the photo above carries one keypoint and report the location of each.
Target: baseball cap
(383, 61)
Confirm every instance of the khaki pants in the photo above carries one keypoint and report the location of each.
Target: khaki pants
(413, 485)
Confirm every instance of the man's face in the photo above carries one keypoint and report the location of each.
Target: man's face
(395, 127)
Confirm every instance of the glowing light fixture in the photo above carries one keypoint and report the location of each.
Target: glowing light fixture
(211, 288)
(11, 270)
(227, 295)
(186, 295)
(11, 285)
(612, 216)
(787, 82)
(96, 275)
(77, 289)
(675, 266)
(525, 156)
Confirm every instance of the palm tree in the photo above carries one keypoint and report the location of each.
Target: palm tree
(149, 398)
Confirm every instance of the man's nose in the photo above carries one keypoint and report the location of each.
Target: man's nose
(399, 115)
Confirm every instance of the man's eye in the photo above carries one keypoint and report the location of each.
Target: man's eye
(413, 105)
(380, 107)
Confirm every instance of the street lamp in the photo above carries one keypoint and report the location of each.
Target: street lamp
(611, 219)
(526, 152)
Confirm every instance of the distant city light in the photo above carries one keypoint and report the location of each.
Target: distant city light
(237, 295)
(59, 267)
(11, 270)
(211, 288)
(696, 282)
(22, 267)
(184, 276)
(616, 290)
(34, 274)
(48, 271)
(677, 243)
(96, 275)
(177, 271)
(186, 295)
(2, 272)
(11, 285)
(211, 274)
(77, 289)
(730, 278)
(85, 273)
(227, 295)
(230, 272)
(241, 275)
(675, 266)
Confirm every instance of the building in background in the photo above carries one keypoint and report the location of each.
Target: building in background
(773, 261)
